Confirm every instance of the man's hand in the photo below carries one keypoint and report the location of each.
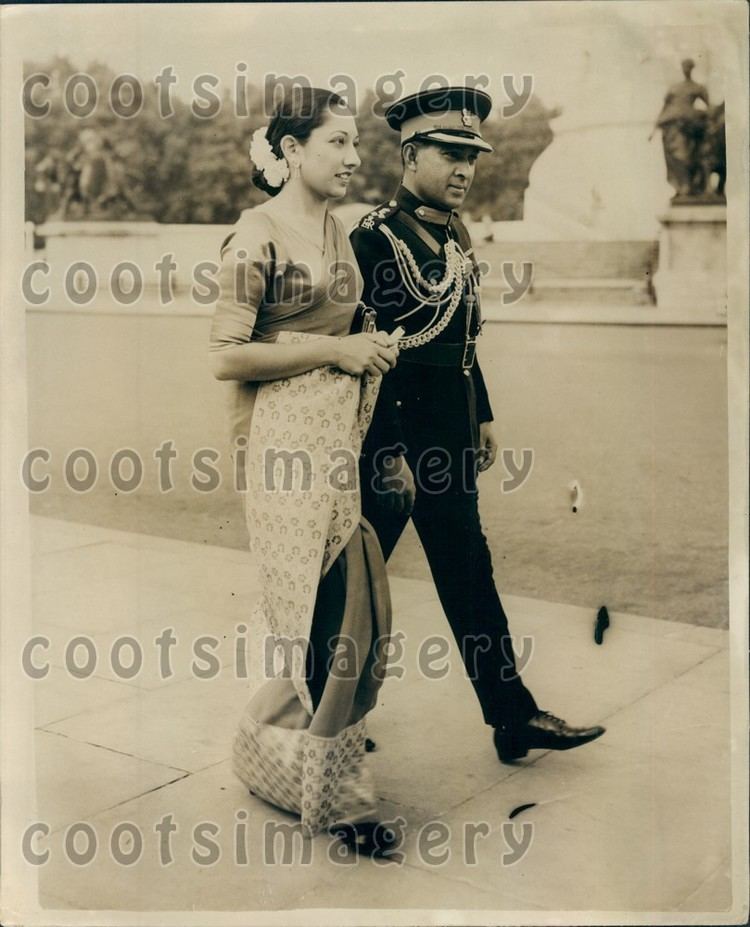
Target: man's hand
(487, 450)
(368, 352)
(397, 489)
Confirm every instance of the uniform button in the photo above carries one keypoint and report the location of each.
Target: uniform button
(393, 203)
(398, 403)
(420, 212)
(467, 373)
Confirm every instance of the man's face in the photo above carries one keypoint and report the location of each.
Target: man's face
(443, 173)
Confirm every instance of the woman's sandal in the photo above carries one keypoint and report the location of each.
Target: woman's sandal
(367, 838)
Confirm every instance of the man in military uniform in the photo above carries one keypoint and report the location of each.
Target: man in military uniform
(432, 430)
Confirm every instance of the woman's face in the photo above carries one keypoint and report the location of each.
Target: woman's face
(329, 157)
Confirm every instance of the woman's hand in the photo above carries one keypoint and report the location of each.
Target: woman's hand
(368, 352)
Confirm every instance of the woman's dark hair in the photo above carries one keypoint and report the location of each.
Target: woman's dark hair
(300, 112)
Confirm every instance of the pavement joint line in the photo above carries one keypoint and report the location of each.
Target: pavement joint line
(708, 656)
(131, 756)
(544, 753)
(228, 661)
(661, 685)
(714, 649)
(516, 769)
(76, 714)
(87, 711)
(120, 682)
(402, 804)
(438, 875)
(465, 882)
(194, 772)
(55, 664)
(124, 801)
(186, 775)
(447, 809)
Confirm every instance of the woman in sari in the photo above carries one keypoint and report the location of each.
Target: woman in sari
(302, 390)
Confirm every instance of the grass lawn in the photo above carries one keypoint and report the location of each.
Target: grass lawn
(637, 415)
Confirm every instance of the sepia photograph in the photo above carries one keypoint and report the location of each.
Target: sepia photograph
(374, 450)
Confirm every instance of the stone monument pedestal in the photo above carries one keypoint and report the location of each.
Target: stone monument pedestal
(692, 270)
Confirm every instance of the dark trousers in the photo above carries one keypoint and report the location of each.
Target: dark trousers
(325, 629)
(451, 534)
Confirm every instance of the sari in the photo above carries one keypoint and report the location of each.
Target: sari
(324, 607)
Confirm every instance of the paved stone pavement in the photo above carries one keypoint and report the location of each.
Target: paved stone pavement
(637, 821)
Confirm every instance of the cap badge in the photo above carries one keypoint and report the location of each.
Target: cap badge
(466, 117)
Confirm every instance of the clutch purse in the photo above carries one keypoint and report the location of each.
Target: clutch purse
(367, 318)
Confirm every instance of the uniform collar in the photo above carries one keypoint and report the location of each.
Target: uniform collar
(415, 207)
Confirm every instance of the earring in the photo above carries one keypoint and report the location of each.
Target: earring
(295, 168)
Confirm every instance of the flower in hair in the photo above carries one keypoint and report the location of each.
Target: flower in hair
(275, 170)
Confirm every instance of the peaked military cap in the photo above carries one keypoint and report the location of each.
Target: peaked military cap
(445, 114)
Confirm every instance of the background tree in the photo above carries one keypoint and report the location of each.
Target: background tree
(499, 186)
(184, 168)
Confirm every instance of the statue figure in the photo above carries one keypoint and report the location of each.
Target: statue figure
(89, 181)
(689, 128)
(714, 151)
(48, 183)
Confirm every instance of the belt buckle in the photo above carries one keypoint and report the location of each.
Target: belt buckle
(470, 351)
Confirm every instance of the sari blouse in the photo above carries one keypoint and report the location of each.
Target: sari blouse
(264, 288)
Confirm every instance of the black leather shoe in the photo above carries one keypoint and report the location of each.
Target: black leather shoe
(369, 838)
(543, 731)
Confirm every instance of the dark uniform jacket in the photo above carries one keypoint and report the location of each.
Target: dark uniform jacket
(436, 393)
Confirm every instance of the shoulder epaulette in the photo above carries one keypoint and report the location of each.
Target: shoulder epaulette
(378, 215)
